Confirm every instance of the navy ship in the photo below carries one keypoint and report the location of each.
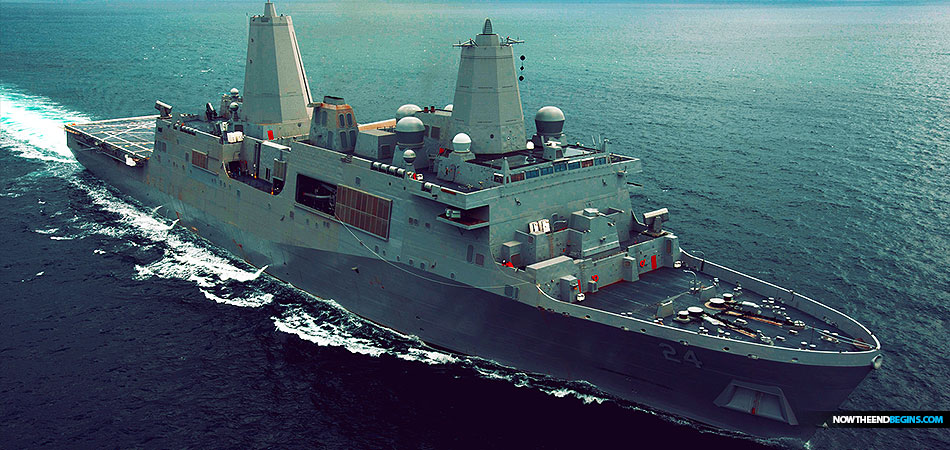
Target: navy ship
(457, 225)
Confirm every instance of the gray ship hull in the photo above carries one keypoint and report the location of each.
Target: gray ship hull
(452, 225)
(632, 366)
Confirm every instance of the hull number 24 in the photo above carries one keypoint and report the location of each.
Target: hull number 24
(670, 353)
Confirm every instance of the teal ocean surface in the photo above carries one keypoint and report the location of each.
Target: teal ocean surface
(806, 143)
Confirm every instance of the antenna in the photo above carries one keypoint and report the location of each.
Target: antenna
(468, 43)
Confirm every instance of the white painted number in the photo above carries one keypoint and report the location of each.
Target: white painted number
(670, 353)
(690, 357)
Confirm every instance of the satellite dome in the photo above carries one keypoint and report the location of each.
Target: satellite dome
(409, 156)
(448, 107)
(234, 92)
(407, 110)
(549, 114)
(461, 143)
(410, 132)
(549, 121)
(409, 124)
(234, 106)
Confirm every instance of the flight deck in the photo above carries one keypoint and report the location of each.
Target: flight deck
(128, 140)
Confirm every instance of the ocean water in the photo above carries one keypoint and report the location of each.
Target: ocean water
(804, 143)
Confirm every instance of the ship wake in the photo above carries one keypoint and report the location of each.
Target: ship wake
(33, 126)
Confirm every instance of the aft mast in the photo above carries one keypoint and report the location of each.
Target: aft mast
(487, 103)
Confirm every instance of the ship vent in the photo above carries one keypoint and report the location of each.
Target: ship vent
(758, 400)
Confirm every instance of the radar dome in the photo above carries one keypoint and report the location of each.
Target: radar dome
(234, 92)
(410, 132)
(234, 106)
(549, 121)
(550, 114)
(407, 110)
(409, 125)
(461, 143)
(448, 107)
(409, 156)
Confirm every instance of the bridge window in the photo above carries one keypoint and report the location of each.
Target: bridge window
(341, 121)
(349, 120)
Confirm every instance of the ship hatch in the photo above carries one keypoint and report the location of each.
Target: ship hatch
(758, 400)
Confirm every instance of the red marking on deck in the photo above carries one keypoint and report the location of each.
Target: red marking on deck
(270, 135)
(653, 261)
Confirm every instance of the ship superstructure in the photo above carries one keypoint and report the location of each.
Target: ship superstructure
(454, 224)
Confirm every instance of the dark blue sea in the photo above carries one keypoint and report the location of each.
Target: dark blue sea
(807, 144)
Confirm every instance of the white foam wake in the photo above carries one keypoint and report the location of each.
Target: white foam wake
(298, 322)
(33, 126)
(326, 333)
(543, 383)
(251, 301)
(183, 258)
(564, 392)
